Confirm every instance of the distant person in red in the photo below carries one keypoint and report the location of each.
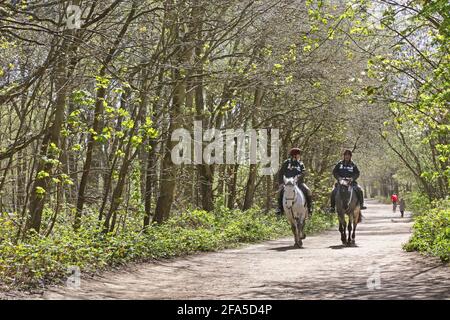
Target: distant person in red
(394, 199)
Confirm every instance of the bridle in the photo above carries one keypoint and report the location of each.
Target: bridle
(290, 208)
(292, 199)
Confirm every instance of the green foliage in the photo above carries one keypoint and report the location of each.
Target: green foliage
(102, 82)
(250, 226)
(418, 203)
(419, 129)
(320, 221)
(194, 219)
(431, 233)
(45, 260)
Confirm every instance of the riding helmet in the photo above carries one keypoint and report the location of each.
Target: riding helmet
(294, 151)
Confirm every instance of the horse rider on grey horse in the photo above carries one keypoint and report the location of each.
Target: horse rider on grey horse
(294, 167)
(346, 168)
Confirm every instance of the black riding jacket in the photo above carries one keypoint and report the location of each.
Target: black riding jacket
(346, 170)
(291, 168)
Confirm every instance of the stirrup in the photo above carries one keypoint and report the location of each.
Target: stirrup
(363, 207)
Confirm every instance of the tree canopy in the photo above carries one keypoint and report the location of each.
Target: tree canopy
(91, 92)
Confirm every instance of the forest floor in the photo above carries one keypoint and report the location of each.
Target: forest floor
(376, 268)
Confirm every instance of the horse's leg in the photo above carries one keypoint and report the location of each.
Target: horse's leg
(299, 233)
(342, 227)
(355, 223)
(298, 238)
(350, 222)
(302, 230)
(294, 231)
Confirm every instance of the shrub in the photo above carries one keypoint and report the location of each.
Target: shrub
(40, 260)
(417, 202)
(431, 232)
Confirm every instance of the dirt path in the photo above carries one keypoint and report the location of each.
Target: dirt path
(273, 270)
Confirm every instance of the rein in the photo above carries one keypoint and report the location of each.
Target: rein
(293, 201)
(350, 199)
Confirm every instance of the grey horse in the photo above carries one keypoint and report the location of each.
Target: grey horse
(347, 204)
(294, 205)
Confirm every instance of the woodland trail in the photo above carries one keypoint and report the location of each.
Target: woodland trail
(323, 269)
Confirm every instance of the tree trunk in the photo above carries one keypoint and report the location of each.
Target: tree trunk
(41, 184)
(250, 188)
(97, 124)
(168, 168)
(251, 181)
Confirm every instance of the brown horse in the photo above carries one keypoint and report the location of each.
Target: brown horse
(347, 204)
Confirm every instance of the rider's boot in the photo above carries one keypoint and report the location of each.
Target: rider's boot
(359, 192)
(309, 204)
(333, 204)
(308, 198)
(280, 209)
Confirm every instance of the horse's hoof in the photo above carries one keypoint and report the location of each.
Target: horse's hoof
(304, 237)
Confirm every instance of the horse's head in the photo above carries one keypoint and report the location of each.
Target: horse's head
(289, 189)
